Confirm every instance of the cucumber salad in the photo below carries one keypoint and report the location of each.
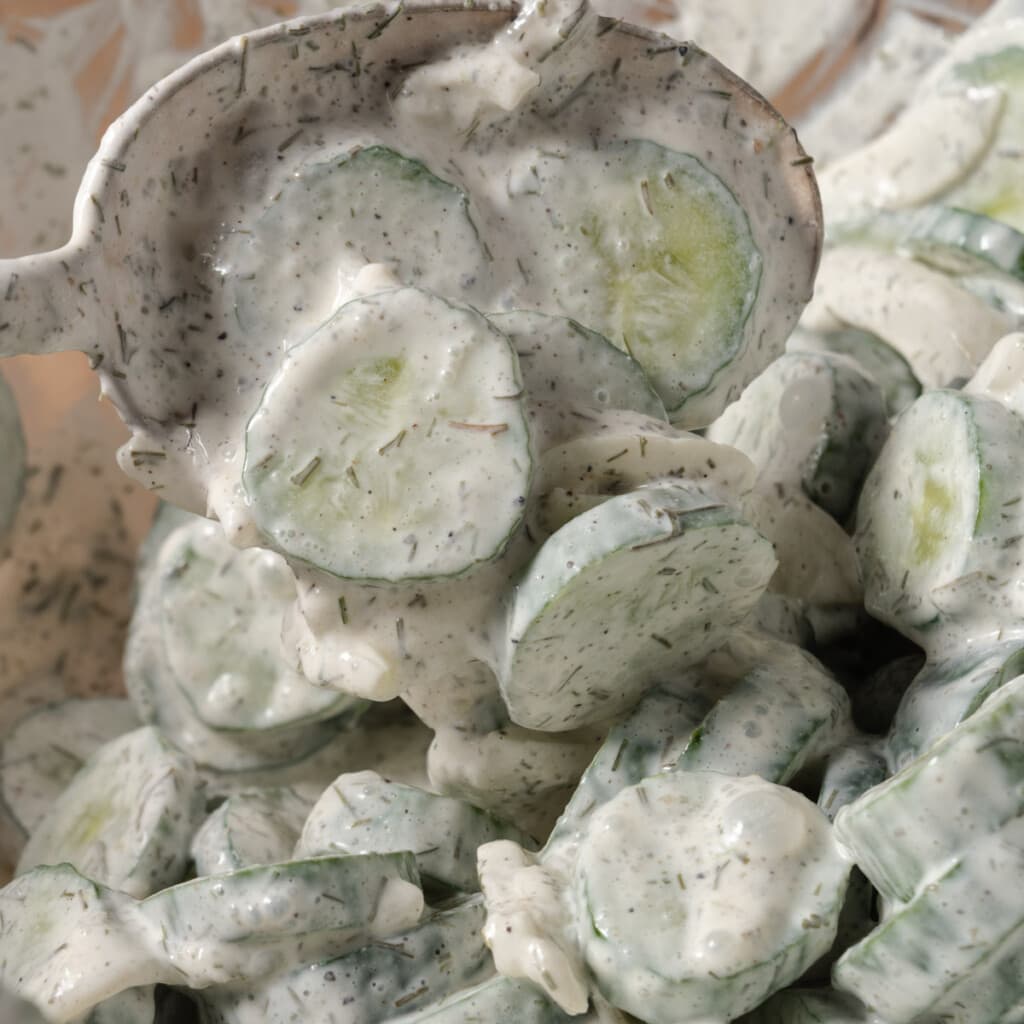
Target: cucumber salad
(549, 590)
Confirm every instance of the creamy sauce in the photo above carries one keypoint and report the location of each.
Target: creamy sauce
(684, 895)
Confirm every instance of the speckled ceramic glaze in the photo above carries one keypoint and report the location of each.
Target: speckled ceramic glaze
(204, 150)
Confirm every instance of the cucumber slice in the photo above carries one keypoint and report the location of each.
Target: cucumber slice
(946, 692)
(69, 943)
(392, 977)
(12, 457)
(776, 719)
(939, 512)
(523, 776)
(817, 560)
(965, 787)
(259, 826)
(569, 373)
(880, 361)
(698, 895)
(126, 818)
(44, 750)
(644, 582)
(499, 999)
(938, 326)
(664, 265)
(363, 813)
(850, 772)
(221, 611)
(159, 700)
(954, 241)
(622, 451)
(248, 924)
(815, 421)
(331, 219)
(993, 187)
(935, 144)
(392, 444)
(961, 936)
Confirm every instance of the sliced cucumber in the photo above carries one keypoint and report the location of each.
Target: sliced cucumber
(126, 818)
(392, 977)
(962, 934)
(879, 360)
(662, 938)
(569, 373)
(642, 583)
(12, 457)
(815, 421)
(257, 826)
(954, 241)
(221, 613)
(936, 143)
(159, 700)
(993, 187)
(499, 999)
(67, 943)
(621, 451)
(776, 719)
(44, 750)
(965, 787)
(850, 772)
(392, 444)
(249, 924)
(70, 943)
(647, 742)
(939, 513)
(331, 219)
(940, 328)
(946, 692)
(363, 813)
(664, 264)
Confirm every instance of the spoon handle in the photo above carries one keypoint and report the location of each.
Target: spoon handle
(49, 302)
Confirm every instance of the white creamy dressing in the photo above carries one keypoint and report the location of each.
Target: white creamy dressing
(552, 93)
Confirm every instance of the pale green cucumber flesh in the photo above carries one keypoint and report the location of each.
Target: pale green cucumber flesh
(643, 582)
(966, 786)
(334, 217)
(944, 693)
(770, 724)
(879, 360)
(126, 818)
(570, 372)
(246, 924)
(258, 826)
(966, 922)
(392, 444)
(664, 266)
(44, 750)
(220, 615)
(646, 881)
(391, 977)
(363, 813)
